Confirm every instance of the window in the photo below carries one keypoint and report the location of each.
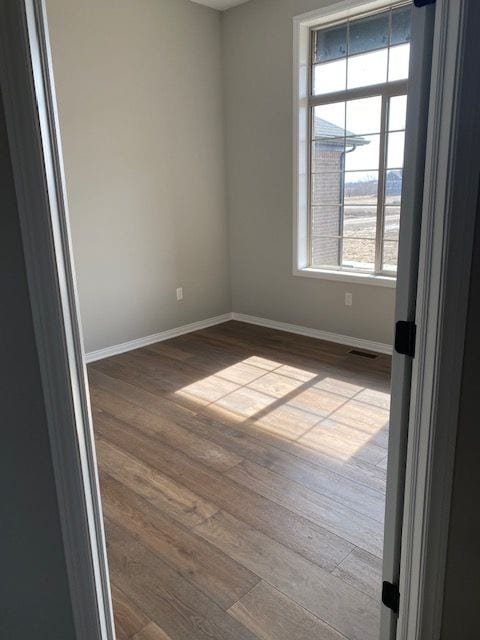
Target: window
(355, 108)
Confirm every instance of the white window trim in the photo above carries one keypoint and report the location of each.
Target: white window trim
(301, 69)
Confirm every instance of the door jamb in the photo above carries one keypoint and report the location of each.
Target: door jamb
(32, 126)
(448, 222)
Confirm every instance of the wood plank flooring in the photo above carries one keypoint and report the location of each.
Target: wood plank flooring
(242, 473)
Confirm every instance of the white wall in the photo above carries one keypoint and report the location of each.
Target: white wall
(257, 50)
(140, 105)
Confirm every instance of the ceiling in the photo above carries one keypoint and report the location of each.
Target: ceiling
(220, 4)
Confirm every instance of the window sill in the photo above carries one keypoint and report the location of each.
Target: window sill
(342, 276)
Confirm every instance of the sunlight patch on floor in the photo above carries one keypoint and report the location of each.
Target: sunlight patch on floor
(320, 412)
(208, 389)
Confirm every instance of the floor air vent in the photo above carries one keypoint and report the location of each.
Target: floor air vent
(363, 354)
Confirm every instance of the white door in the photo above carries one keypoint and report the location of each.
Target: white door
(407, 276)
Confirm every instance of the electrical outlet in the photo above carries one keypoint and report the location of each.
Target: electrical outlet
(180, 293)
(348, 299)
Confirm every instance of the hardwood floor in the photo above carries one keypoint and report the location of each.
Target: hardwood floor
(242, 473)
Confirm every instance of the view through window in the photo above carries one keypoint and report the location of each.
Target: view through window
(357, 101)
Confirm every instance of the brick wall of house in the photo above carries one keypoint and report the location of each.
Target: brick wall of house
(326, 194)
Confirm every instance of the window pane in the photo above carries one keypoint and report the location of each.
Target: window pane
(360, 222)
(368, 34)
(329, 77)
(392, 223)
(326, 188)
(398, 62)
(345, 151)
(362, 153)
(325, 252)
(367, 69)
(358, 253)
(397, 113)
(401, 23)
(396, 143)
(329, 120)
(328, 155)
(361, 187)
(326, 221)
(331, 44)
(363, 116)
(393, 187)
(390, 255)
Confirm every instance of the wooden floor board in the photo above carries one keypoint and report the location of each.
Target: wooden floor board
(363, 571)
(339, 440)
(351, 459)
(212, 572)
(329, 485)
(152, 632)
(314, 542)
(357, 528)
(166, 431)
(166, 495)
(243, 482)
(129, 619)
(295, 460)
(114, 383)
(273, 616)
(338, 604)
(170, 601)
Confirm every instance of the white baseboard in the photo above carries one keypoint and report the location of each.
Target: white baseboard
(358, 343)
(117, 349)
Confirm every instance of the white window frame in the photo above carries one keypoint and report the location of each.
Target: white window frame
(302, 25)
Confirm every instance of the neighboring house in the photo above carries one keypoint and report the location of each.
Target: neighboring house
(393, 186)
(328, 192)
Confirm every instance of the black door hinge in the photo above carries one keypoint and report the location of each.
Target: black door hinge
(423, 3)
(391, 596)
(405, 333)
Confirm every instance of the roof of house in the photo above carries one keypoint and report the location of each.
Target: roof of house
(325, 129)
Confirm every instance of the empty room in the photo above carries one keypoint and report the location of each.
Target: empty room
(242, 190)
(237, 300)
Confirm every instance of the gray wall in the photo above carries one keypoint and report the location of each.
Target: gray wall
(462, 588)
(140, 105)
(257, 39)
(139, 88)
(34, 594)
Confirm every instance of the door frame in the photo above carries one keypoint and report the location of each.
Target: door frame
(419, 86)
(451, 193)
(445, 260)
(26, 79)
